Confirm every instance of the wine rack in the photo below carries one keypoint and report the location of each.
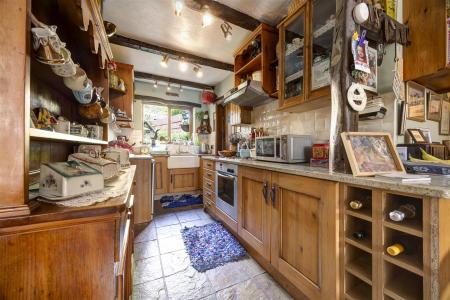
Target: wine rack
(368, 270)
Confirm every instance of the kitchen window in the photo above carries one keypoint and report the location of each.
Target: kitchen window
(166, 123)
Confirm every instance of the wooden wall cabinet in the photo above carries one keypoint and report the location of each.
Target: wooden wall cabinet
(142, 190)
(293, 224)
(120, 99)
(427, 59)
(306, 39)
(183, 180)
(161, 175)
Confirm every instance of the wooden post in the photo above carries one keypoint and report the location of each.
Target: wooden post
(343, 118)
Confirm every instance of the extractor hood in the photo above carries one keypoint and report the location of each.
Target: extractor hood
(248, 93)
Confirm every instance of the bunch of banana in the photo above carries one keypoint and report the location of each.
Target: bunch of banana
(428, 158)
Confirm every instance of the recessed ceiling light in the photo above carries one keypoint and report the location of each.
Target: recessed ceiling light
(164, 61)
(207, 18)
(178, 7)
(183, 65)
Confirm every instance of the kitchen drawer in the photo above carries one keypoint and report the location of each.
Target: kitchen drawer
(210, 175)
(210, 207)
(209, 196)
(209, 164)
(209, 185)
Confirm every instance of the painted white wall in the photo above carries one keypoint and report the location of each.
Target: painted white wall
(224, 86)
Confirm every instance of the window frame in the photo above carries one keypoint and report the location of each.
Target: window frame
(169, 119)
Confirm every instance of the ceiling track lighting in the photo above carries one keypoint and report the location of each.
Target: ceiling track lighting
(207, 18)
(198, 71)
(168, 86)
(181, 89)
(165, 60)
(183, 65)
(178, 7)
(155, 85)
(226, 29)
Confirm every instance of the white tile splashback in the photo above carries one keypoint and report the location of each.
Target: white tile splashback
(315, 122)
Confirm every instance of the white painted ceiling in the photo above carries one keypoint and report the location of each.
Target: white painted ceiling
(154, 21)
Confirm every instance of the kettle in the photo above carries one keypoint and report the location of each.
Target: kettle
(204, 148)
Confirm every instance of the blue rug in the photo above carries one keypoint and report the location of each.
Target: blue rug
(210, 246)
(173, 201)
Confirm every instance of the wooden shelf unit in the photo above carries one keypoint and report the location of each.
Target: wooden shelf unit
(262, 61)
(391, 277)
(45, 135)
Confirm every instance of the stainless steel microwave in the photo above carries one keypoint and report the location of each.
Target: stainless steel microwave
(284, 148)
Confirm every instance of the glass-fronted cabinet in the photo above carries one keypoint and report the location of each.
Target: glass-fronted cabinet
(292, 79)
(306, 41)
(323, 22)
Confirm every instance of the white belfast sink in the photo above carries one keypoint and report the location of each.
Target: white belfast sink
(183, 161)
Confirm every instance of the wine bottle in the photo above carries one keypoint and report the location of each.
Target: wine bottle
(405, 211)
(402, 244)
(356, 204)
(359, 234)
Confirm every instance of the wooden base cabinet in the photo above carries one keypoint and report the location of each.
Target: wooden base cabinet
(292, 221)
(161, 175)
(142, 189)
(254, 209)
(183, 180)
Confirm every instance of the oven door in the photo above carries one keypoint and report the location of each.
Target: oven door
(226, 191)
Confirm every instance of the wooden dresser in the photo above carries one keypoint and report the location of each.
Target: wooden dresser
(69, 253)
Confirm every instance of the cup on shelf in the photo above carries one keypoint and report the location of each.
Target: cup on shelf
(85, 95)
(77, 82)
(66, 69)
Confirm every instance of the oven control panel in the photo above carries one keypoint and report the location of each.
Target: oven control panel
(227, 168)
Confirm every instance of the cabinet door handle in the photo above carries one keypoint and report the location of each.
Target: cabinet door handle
(273, 195)
(265, 190)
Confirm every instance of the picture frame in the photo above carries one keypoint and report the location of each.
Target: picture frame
(415, 99)
(371, 153)
(417, 136)
(444, 123)
(369, 81)
(434, 104)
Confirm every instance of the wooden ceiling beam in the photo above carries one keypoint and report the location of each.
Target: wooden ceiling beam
(148, 76)
(173, 54)
(225, 13)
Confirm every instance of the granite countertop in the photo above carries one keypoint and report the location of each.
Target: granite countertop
(439, 186)
(141, 156)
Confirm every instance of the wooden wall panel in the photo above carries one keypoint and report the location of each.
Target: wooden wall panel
(13, 70)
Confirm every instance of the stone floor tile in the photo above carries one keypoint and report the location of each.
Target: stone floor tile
(154, 289)
(201, 213)
(188, 215)
(233, 273)
(166, 220)
(259, 287)
(188, 285)
(170, 244)
(146, 249)
(168, 231)
(210, 297)
(175, 262)
(147, 269)
(200, 222)
(147, 234)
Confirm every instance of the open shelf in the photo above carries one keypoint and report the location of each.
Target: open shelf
(361, 267)
(355, 289)
(253, 65)
(364, 213)
(363, 244)
(117, 91)
(411, 263)
(401, 284)
(413, 227)
(45, 135)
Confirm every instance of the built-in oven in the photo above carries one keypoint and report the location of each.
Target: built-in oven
(226, 188)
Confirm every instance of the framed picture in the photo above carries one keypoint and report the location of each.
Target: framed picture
(415, 98)
(434, 106)
(417, 136)
(369, 81)
(444, 124)
(371, 153)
